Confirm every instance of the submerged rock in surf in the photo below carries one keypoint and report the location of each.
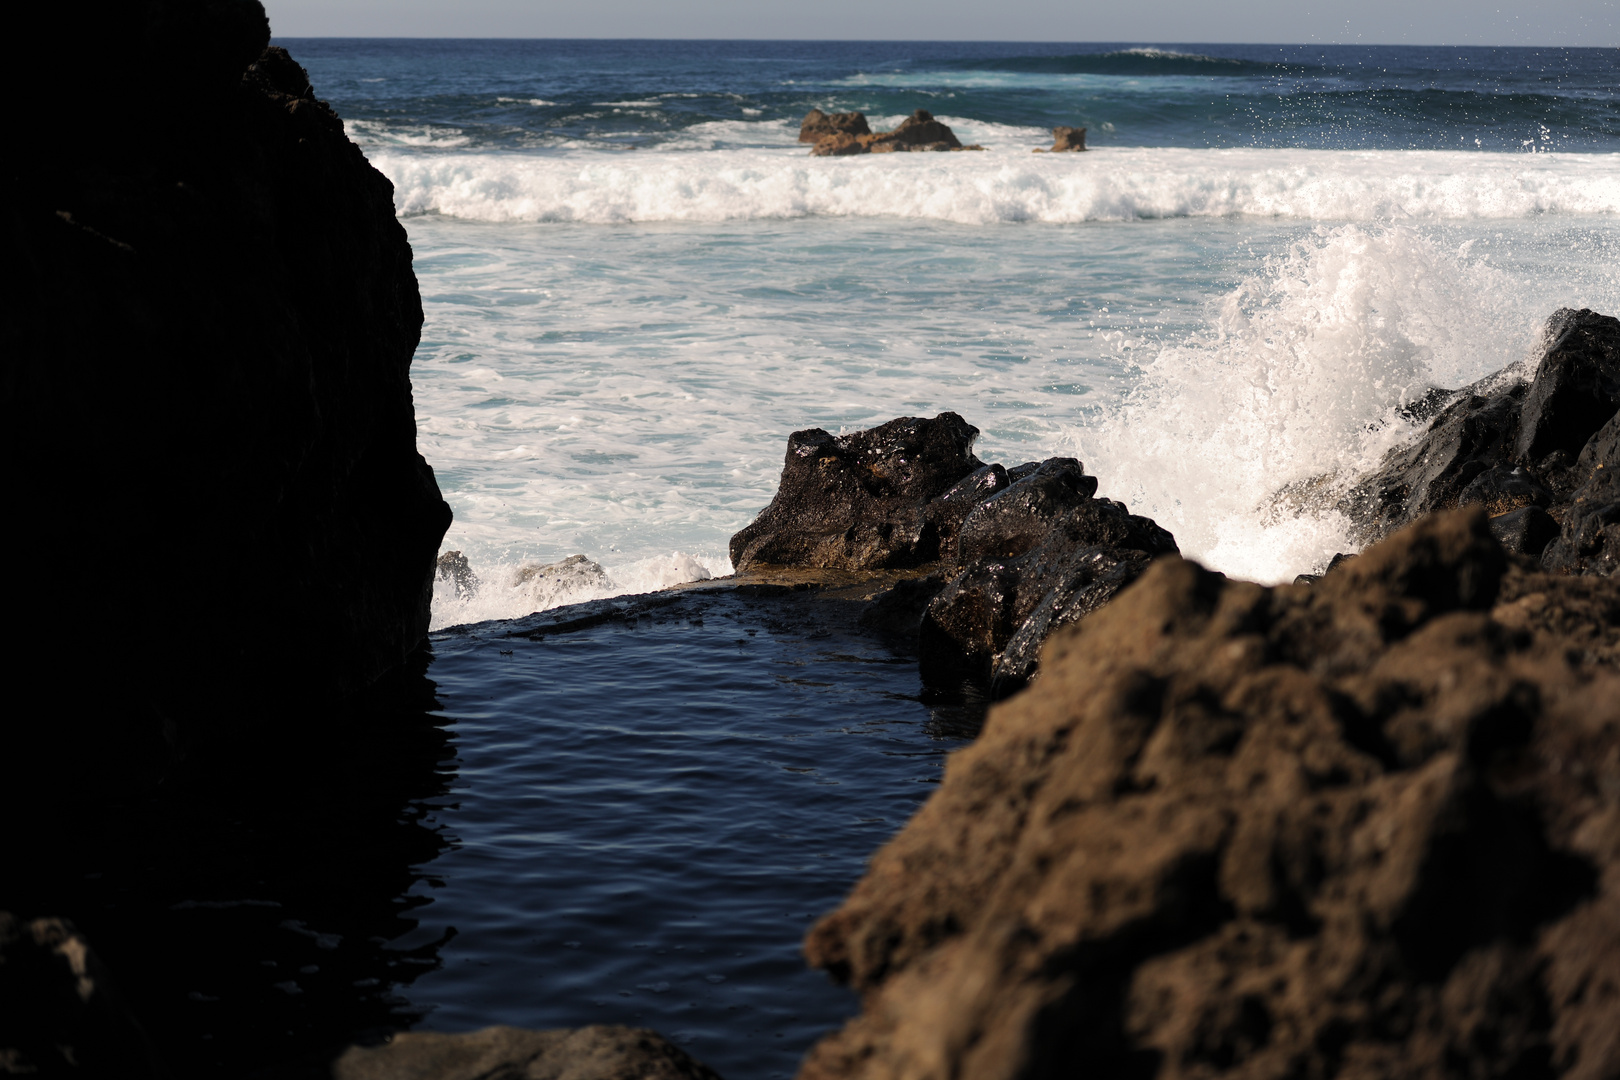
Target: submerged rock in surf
(1225, 811)
(1066, 139)
(1550, 444)
(1019, 552)
(215, 319)
(598, 1052)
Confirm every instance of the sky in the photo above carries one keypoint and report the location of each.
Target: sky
(1372, 22)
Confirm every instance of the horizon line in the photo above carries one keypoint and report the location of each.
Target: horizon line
(928, 41)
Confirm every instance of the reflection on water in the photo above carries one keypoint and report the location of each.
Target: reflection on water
(633, 822)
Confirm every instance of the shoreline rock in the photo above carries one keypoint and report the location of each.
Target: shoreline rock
(214, 320)
(1542, 456)
(817, 125)
(1246, 831)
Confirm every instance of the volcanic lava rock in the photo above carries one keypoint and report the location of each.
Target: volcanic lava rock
(817, 125)
(1066, 139)
(60, 1014)
(1040, 554)
(1368, 827)
(1018, 551)
(211, 326)
(860, 501)
(1509, 445)
(599, 1052)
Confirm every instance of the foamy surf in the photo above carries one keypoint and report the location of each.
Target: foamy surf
(510, 590)
(1006, 183)
(1299, 376)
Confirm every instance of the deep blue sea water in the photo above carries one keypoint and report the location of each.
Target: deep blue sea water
(637, 283)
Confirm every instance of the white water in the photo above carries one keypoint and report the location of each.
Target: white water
(1004, 183)
(625, 390)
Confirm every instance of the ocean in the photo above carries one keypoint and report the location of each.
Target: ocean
(637, 283)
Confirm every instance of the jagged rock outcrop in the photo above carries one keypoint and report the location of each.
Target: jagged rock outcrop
(1540, 456)
(599, 1052)
(1065, 139)
(1018, 552)
(919, 131)
(1368, 827)
(817, 125)
(211, 322)
(864, 501)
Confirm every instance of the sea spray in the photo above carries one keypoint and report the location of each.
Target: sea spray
(1301, 374)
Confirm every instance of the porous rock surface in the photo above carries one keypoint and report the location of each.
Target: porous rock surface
(599, 1052)
(1540, 455)
(1368, 827)
(207, 398)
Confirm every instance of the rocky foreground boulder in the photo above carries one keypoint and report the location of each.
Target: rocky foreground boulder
(1541, 455)
(208, 420)
(1364, 828)
(1013, 553)
(844, 134)
(599, 1052)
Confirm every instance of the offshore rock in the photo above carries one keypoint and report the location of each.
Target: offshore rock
(918, 132)
(861, 501)
(1065, 139)
(60, 1014)
(1366, 827)
(599, 1052)
(212, 323)
(817, 125)
(1511, 445)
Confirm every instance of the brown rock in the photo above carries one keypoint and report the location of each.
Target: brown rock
(919, 131)
(817, 125)
(599, 1052)
(840, 144)
(1065, 139)
(1364, 828)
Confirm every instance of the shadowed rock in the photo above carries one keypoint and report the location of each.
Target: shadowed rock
(60, 1014)
(213, 316)
(1368, 827)
(1510, 445)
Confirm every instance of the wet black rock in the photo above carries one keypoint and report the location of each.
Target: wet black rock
(1019, 552)
(211, 325)
(1041, 554)
(861, 501)
(1540, 456)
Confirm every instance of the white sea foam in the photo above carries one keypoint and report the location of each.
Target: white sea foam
(1298, 375)
(504, 592)
(1006, 183)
